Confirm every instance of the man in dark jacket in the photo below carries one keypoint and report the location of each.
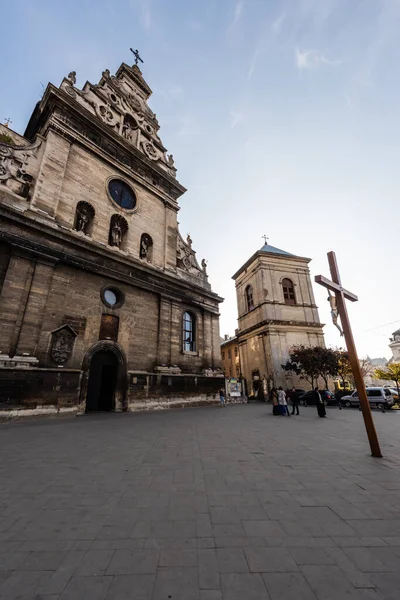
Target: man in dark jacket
(294, 397)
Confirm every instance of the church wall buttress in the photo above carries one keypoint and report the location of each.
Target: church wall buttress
(35, 309)
(14, 295)
(51, 174)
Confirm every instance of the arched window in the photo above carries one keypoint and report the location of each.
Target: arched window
(249, 297)
(189, 332)
(288, 291)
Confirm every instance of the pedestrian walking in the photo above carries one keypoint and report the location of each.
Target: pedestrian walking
(294, 397)
(282, 401)
(320, 403)
(222, 398)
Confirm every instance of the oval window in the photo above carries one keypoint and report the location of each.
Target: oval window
(112, 297)
(122, 194)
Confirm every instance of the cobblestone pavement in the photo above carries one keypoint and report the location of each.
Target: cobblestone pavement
(200, 504)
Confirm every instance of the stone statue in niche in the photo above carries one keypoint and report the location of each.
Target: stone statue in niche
(62, 344)
(146, 244)
(116, 235)
(72, 77)
(82, 219)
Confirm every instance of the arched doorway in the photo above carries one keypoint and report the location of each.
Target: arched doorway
(104, 379)
(102, 382)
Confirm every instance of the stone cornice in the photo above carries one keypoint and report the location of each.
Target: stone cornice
(76, 250)
(279, 324)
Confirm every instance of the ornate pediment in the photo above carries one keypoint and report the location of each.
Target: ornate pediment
(120, 101)
(187, 264)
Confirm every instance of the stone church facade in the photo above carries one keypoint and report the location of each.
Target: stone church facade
(276, 311)
(103, 305)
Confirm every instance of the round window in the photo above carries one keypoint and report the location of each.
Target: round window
(112, 297)
(122, 194)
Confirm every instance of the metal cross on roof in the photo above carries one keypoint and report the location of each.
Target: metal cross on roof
(7, 121)
(265, 238)
(136, 55)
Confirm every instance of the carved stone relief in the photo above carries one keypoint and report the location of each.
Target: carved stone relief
(62, 343)
(14, 162)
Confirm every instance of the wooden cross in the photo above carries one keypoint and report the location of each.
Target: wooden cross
(136, 55)
(341, 295)
(7, 121)
(265, 239)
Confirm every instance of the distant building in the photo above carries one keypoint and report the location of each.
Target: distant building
(276, 311)
(395, 346)
(230, 360)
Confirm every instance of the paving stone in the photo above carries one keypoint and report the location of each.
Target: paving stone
(133, 562)
(173, 557)
(10, 560)
(132, 587)
(262, 529)
(86, 588)
(240, 586)
(310, 556)
(288, 586)
(59, 578)
(23, 585)
(95, 562)
(177, 583)
(329, 583)
(231, 560)
(208, 570)
(270, 560)
(387, 584)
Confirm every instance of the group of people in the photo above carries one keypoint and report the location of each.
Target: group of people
(280, 402)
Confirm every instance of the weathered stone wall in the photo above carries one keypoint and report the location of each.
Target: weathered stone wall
(30, 388)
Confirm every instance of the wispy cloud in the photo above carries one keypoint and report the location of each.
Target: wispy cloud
(145, 16)
(253, 62)
(172, 92)
(312, 59)
(237, 13)
(277, 24)
(236, 118)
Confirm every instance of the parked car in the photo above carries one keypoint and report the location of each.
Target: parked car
(327, 396)
(378, 397)
(394, 394)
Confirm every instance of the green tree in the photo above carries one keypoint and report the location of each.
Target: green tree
(390, 373)
(311, 363)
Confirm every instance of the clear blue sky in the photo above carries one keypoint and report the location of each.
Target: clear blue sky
(282, 116)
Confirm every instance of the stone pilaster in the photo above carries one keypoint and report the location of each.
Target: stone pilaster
(35, 308)
(14, 295)
(164, 332)
(51, 175)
